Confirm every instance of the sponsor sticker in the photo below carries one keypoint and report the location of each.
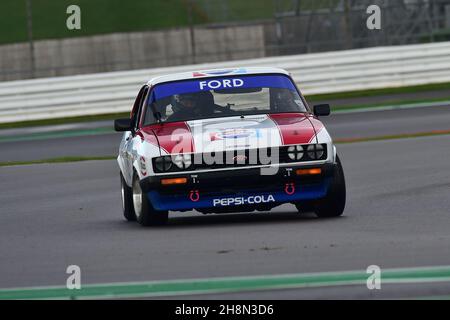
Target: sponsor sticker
(219, 72)
(232, 81)
(143, 166)
(236, 201)
(234, 134)
(221, 84)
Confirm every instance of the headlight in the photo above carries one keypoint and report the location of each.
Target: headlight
(295, 152)
(182, 161)
(315, 151)
(163, 163)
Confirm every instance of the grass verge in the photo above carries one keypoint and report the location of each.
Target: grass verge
(55, 160)
(378, 92)
(392, 103)
(394, 136)
(49, 122)
(109, 16)
(97, 17)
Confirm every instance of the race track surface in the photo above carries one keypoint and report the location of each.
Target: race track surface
(397, 215)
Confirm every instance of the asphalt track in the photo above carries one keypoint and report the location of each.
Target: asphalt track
(26, 144)
(397, 215)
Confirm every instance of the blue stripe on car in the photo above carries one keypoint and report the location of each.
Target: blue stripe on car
(191, 86)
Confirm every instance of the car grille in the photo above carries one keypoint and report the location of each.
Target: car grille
(247, 157)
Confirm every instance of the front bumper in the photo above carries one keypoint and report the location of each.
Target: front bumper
(238, 188)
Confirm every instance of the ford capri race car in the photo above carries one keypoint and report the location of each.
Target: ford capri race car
(219, 141)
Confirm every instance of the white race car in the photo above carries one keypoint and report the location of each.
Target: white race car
(234, 140)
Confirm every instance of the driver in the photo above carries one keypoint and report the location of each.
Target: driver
(286, 100)
(185, 106)
(195, 106)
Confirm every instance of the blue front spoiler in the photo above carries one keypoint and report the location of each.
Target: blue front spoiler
(179, 202)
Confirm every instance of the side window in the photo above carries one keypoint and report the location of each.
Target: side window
(136, 103)
(138, 106)
(142, 107)
(164, 107)
(149, 105)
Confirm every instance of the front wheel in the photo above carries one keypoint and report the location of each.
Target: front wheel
(304, 206)
(127, 200)
(333, 204)
(146, 215)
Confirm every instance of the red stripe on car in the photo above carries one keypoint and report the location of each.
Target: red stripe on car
(318, 126)
(173, 137)
(295, 128)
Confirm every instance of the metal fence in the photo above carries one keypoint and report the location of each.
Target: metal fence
(315, 26)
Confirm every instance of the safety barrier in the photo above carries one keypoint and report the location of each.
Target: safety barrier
(328, 72)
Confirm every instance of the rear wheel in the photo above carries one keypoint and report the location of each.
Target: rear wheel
(333, 204)
(146, 215)
(127, 200)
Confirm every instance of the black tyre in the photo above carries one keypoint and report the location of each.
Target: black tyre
(333, 204)
(146, 215)
(304, 206)
(127, 200)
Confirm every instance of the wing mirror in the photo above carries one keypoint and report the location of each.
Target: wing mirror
(322, 110)
(123, 125)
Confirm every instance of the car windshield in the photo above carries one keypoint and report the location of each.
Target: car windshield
(222, 97)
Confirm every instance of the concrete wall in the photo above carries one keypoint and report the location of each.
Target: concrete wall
(125, 51)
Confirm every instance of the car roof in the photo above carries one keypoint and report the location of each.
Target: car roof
(214, 73)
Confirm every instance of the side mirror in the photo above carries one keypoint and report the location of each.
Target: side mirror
(123, 125)
(322, 110)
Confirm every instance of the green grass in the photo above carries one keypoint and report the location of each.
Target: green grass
(54, 160)
(97, 17)
(239, 10)
(109, 16)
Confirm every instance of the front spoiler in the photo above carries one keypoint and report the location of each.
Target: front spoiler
(245, 187)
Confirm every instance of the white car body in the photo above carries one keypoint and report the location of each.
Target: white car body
(194, 140)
